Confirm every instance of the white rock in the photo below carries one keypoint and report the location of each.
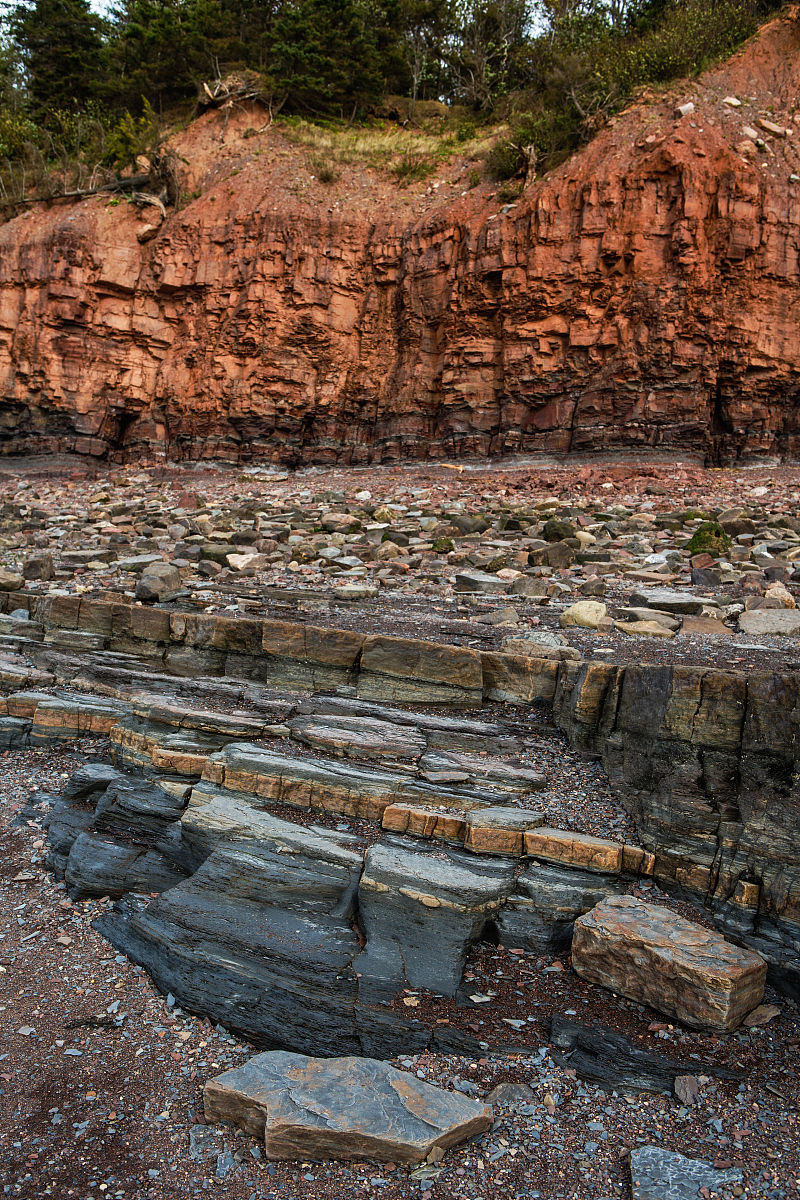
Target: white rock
(767, 622)
(587, 614)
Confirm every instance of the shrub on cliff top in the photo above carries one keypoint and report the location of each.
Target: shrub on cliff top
(16, 131)
(589, 68)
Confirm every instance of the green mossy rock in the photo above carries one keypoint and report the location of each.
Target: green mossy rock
(694, 514)
(709, 538)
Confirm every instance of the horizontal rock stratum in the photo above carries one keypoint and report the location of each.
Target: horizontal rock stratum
(644, 294)
(704, 759)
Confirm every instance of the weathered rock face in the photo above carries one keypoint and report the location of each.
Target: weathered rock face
(255, 923)
(645, 294)
(706, 761)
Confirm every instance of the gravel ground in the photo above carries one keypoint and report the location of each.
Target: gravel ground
(101, 1080)
(68, 502)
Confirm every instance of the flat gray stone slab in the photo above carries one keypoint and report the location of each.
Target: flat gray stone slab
(671, 601)
(658, 1174)
(451, 767)
(480, 581)
(139, 561)
(316, 1108)
(359, 737)
(764, 622)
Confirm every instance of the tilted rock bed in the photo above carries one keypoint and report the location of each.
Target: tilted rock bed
(301, 934)
(691, 751)
(702, 759)
(545, 903)
(298, 934)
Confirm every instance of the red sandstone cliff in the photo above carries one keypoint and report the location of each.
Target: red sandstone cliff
(646, 294)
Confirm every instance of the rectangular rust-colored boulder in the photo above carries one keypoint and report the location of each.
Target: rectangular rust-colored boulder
(404, 669)
(574, 849)
(650, 954)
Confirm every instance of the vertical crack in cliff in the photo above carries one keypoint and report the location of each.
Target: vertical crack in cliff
(721, 429)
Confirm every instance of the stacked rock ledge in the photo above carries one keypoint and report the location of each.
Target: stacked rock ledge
(202, 817)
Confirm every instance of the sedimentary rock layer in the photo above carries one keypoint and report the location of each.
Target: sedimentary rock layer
(704, 759)
(644, 294)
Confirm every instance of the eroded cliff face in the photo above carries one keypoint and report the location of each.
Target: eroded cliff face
(646, 294)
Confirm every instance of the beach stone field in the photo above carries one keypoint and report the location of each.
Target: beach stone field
(410, 831)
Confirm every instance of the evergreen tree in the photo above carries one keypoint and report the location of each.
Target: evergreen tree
(61, 50)
(325, 57)
(157, 52)
(248, 26)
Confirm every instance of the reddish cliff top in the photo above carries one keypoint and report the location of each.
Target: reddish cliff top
(645, 294)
